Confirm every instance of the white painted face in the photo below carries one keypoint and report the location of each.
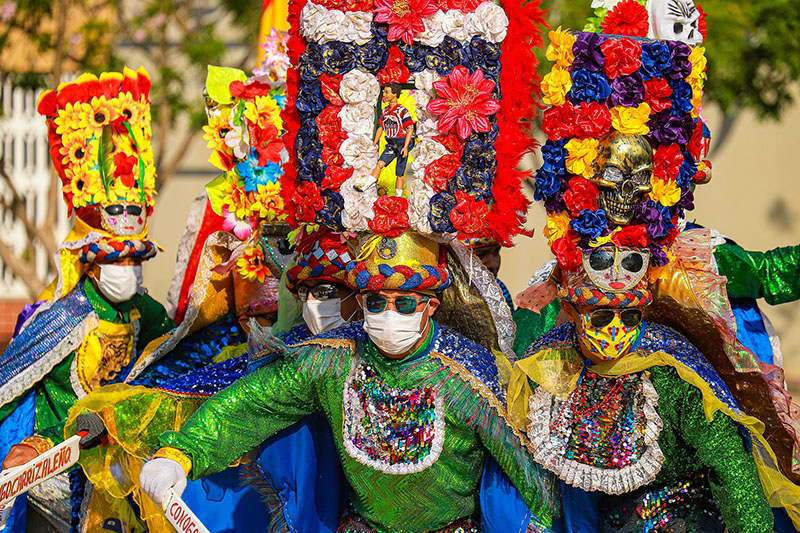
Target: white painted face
(674, 20)
(124, 218)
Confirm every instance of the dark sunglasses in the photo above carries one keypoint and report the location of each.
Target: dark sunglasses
(117, 209)
(405, 305)
(600, 318)
(323, 291)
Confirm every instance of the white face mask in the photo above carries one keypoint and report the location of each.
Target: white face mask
(392, 332)
(323, 315)
(119, 283)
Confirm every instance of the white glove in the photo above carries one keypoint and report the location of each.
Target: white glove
(160, 474)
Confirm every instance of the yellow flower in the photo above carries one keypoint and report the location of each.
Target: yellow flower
(83, 185)
(263, 112)
(560, 48)
(697, 98)
(581, 154)
(236, 201)
(97, 114)
(557, 227)
(251, 265)
(631, 120)
(698, 60)
(665, 192)
(268, 204)
(77, 150)
(555, 86)
(218, 126)
(69, 118)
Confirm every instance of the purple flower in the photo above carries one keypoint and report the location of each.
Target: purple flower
(587, 52)
(686, 203)
(627, 91)
(555, 203)
(650, 215)
(590, 223)
(681, 66)
(658, 257)
(666, 128)
(588, 86)
(656, 60)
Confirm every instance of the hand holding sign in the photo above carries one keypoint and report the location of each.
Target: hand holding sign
(160, 474)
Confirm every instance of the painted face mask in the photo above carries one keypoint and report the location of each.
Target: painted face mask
(124, 218)
(609, 334)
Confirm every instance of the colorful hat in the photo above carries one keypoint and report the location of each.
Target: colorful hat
(319, 255)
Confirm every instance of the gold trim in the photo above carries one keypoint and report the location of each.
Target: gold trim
(38, 443)
(327, 343)
(176, 455)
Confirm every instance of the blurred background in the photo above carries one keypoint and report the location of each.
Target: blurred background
(753, 52)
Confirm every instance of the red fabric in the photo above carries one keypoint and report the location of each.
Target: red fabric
(667, 161)
(628, 17)
(656, 94)
(623, 57)
(391, 216)
(582, 194)
(592, 120)
(631, 236)
(567, 254)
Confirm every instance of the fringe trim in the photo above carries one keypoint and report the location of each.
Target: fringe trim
(253, 476)
(592, 478)
(323, 357)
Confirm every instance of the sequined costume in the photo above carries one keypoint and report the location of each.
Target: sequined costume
(406, 431)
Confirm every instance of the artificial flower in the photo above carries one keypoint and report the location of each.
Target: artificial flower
(439, 217)
(627, 91)
(307, 200)
(547, 184)
(667, 128)
(357, 86)
(124, 168)
(604, 4)
(555, 86)
(439, 172)
(77, 150)
(358, 201)
(241, 228)
(681, 96)
(698, 144)
(688, 171)
(697, 101)
(656, 60)
(666, 192)
(391, 215)
(434, 32)
(631, 120)
(69, 117)
(78, 186)
(657, 92)
(631, 236)
(592, 119)
(582, 153)
(215, 131)
(557, 227)
(236, 200)
(464, 102)
(653, 217)
(395, 70)
(628, 17)
(580, 196)
(251, 265)
(268, 144)
(98, 113)
(358, 119)
(358, 27)
(235, 140)
(623, 57)
(454, 25)
(268, 203)
(469, 215)
(590, 223)
(588, 52)
(667, 161)
(554, 157)
(419, 206)
(558, 122)
(255, 176)
(404, 17)
(263, 112)
(588, 86)
(360, 153)
(488, 21)
(697, 58)
(335, 175)
(567, 254)
(559, 50)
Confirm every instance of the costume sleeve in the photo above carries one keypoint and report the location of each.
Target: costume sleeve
(720, 447)
(773, 275)
(54, 399)
(240, 417)
(154, 323)
(531, 326)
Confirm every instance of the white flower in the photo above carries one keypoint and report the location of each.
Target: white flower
(332, 26)
(357, 204)
(428, 151)
(490, 21)
(358, 119)
(454, 25)
(424, 81)
(608, 4)
(360, 153)
(235, 139)
(357, 86)
(433, 34)
(359, 27)
(421, 98)
(427, 127)
(419, 205)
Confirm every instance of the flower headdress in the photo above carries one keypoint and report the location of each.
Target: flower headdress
(674, 20)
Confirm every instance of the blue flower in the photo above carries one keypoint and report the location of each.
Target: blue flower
(255, 175)
(475, 182)
(590, 223)
(331, 215)
(688, 170)
(439, 217)
(371, 57)
(656, 60)
(339, 57)
(280, 100)
(588, 86)
(547, 185)
(555, 157)
(681, 97)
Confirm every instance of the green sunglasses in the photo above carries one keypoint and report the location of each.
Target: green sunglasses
(405, 305)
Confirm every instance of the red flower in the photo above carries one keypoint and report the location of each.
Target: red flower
(330, 88)
(124, 164)
(119, 126)
(631, 236)
(391, 216)
(567, 254)
(656, 93)
(395, 69)
(466, 102)
(469, 215)
(466, 6)
(559, 122)
(451, 141)
(335, 176)
(623, 57)
(582, 194)
(251, 90)
(702, 25)
(267, 143)
(667, 161)
(307, 201)
(440, 171)
(698, 145)
(628, 17)
(404, 17)
(592, 119)
(332, 156)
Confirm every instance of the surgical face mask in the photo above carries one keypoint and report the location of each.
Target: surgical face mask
(610, 338)
(119, 283)
(323, 315)
(392, 332)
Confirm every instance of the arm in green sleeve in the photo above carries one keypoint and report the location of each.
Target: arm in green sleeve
(154, 322)
(732, 473)
(773, 275)
(531, 325)
(240, 417)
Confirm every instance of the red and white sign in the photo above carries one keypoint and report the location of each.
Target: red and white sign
(180, 516)
(49, 464)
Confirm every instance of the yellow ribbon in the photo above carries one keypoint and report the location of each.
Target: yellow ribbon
(369, 247)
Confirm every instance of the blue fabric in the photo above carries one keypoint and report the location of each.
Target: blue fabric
(17, 426)
(750, 329)
(502, 508)
(579, 509)
(302, 466)
(224, 506)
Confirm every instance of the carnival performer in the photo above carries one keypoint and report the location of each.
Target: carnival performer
(487, 250)
(87, 329)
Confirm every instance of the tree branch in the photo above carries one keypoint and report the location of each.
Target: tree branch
(22, 270)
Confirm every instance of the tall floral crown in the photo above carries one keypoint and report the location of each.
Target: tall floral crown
(99, 135)
(626, 142)
(445, 62)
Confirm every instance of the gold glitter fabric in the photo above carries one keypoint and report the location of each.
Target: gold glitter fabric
(412, 435)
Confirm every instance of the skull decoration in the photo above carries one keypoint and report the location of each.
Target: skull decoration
(614, 269)
(674, 20)
(622, 170)
(124, 218)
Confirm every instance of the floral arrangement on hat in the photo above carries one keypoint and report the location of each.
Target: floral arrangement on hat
(469, 135)
(99, 136)
(601, 84)
(633, 18)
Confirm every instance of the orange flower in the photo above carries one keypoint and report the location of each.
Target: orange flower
(251, 265)
(78, 151)
(97, 114)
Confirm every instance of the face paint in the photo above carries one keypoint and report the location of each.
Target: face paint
(610, 341)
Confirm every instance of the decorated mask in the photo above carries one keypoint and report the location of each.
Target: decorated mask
(622, 170)
(675, 20)
(616, 268)
(124, 218)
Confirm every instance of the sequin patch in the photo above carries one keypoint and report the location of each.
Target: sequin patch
(396, 431)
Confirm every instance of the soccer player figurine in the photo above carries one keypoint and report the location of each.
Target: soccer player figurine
(398, 126)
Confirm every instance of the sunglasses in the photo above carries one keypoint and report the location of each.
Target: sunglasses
(600, 318)
(322, 292)
(405, 305)
(117, 209)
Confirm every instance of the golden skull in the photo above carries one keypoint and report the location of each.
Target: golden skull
(622, 171)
